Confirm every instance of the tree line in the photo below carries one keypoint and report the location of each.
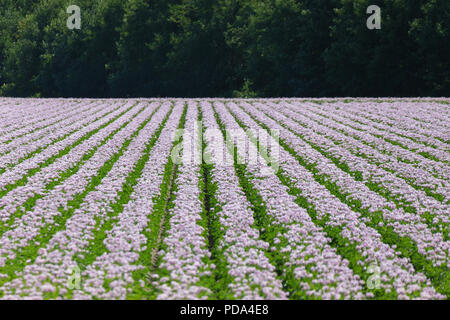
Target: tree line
(224, 48)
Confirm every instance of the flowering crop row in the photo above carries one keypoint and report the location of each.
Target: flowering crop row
(421, 141)
(25, 146)
(414, 120)
(343, 223)
(383, 149)
(224, 199)
(376, 179)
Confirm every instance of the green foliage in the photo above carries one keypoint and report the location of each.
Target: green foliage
(246, 91)
(224, 48)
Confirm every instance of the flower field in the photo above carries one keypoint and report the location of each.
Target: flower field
(224, 198)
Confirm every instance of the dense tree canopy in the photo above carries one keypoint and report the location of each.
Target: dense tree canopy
(194, 48)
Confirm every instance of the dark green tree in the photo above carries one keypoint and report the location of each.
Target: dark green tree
(189, 48)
